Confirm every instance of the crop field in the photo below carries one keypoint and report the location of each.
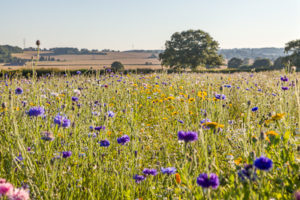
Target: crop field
(131, 60)
(156, 136)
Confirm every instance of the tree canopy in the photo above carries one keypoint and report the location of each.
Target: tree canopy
(190, 49)
(262, 62)
(235, 62)
(117, 66)
(293, 47)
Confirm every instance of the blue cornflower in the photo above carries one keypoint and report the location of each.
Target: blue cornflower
(263, 163)
(62, 121)
(104, 143)
(66, 154)
(98, 128)
(284, 78)
(138, 178)
(111, 114)
(205, 182)
(180, 121)
(254, 109)
(168, 170)
(123, 140)
(220, 96)
(19, 91)
(247, 173)
(36, 111)
(188, 136)
(75, 99)
(78, 72)
(284, 88)
(152, 172)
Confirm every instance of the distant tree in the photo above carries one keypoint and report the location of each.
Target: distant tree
(189, 49)
(294, 48)
(117, 66)
(235, 62)
(279, 63)
(152, 56)
(262, 62)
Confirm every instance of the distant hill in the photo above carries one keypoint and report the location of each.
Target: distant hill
(253, 53)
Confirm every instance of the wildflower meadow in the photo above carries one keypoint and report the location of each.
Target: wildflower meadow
(150, 136)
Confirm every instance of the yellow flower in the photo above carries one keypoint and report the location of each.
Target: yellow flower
(238, 161)
(191, 99)
(171, 98)
(164, 118)
(177, 177)
(273, 133)
(278, 116)
(213, 125)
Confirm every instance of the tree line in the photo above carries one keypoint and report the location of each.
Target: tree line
(192, 49)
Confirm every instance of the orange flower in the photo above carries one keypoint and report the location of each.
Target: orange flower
(278, 116)
(177, 177)
(213, 125)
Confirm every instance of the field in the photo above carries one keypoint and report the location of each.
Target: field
(156, 136)
(131, 60)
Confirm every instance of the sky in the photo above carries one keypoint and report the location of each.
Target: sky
(147, 24)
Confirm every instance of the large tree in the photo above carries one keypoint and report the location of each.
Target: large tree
(235, 62)
(293, 47)
(190, 49)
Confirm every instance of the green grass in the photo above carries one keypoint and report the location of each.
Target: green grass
(145, 113)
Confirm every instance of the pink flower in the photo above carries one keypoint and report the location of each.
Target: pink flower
(5, 188)
(19, 194)
(2, 180)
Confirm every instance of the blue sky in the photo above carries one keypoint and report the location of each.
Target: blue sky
(147, 24)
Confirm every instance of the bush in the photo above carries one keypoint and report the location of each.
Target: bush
(262, 62)
(117, 66)
(235, 62)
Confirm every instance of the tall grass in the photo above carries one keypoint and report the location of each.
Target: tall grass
(148, 109)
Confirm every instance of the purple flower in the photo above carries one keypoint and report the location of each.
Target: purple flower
(123, 140)
(247, 173)
(36, 111)
(204, 120)
(220, 96)
(18, 91)
(138, 178)
(168, 170)
(205, 182)
(66, 154)
(104, 143)
(75, 99)
(47, 136)
(62, 121)
(188, 136)
(263, 163)
(148, 172)
(78, 72)
(284, 88)
(284, 78)
(254, 109)
(111, 114)
(180, 121)
(98, 128)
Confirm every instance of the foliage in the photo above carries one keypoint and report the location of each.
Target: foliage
(117, 66)
(70, 50)
(235, 62)
(190, 49)
(294, 48)
(5, 55)
(262, 62)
